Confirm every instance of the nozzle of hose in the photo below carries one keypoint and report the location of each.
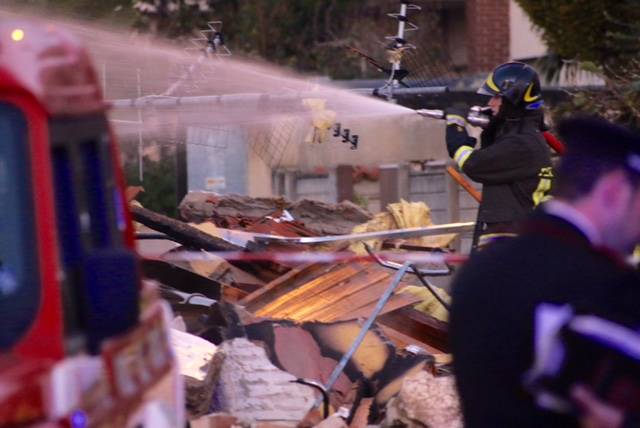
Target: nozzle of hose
(434, 114)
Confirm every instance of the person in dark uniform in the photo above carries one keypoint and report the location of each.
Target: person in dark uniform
(571, 250)
(513, 162)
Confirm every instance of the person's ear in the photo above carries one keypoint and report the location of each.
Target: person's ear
(613, 191)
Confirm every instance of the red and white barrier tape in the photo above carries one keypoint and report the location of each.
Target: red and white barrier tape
(311, 257)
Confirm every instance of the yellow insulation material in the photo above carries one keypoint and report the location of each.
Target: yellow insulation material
(429, 304)
(402, 215)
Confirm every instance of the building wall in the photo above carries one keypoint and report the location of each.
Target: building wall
(448, 203)
(382, 139)
(524, 40)
(488, 31)
(217, 159)
(455, 35)
(259, 176)
(430, 186)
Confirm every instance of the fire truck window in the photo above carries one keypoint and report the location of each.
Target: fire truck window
(19, 278)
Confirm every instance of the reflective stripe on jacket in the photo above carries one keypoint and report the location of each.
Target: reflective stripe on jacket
(513, 165)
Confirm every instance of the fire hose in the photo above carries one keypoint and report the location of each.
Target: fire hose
(477, 117)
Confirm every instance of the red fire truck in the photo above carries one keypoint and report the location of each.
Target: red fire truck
(83, 341)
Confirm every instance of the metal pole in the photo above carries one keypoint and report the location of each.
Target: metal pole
(411, 232)
(229, 100)
(104, 79)
(401, 25)
(365, 328)
(140, 140)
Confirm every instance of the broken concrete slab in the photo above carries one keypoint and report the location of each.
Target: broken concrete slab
(251, 387)
(200, 363)
(425, 401)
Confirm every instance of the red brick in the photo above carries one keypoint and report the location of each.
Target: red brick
(487, 33)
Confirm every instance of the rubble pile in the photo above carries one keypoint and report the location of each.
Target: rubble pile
(312, 350)
(200, 363)
(425, 401)
(241, 212)
(251, 387)
(402, 215)
(251, 376)
(252, 329)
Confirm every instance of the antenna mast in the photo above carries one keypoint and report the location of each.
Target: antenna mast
(398, 46)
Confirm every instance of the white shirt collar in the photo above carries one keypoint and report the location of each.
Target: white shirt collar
(576, 218)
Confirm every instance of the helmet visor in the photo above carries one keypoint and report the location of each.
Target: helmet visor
(486, 91)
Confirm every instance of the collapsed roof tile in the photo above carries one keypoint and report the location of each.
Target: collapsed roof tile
(238, 211)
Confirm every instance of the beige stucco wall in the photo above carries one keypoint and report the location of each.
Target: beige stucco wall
(258, 176)
(525, 41)
(382, 139)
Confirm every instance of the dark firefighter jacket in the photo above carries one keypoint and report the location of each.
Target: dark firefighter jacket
(513, 164)
(494, 297)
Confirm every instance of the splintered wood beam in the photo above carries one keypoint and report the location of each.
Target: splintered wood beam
(283, 303)
(327, 304)
(180, 232)
(397, 301)
(278, 287)
(421, 327)
(401, 340)
(192, 237)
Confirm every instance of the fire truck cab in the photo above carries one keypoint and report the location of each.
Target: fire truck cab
(84, 342)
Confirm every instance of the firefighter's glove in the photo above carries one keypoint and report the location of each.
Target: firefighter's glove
(455, 117)
(459, 144)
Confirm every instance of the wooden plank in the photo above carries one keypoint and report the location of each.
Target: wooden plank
(331, 300)
(306, 293)
(366, 296)
(179, 231)
(420, 326)
(317, 297)
(272, 290)
(298, 292)
(401, 340)
(232, 294)
(397, 301)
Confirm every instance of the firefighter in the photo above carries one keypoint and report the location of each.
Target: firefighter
(572, 250)
(513, 162)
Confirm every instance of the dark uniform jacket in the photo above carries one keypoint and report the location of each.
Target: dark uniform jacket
(492, 318)
(513, 163)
